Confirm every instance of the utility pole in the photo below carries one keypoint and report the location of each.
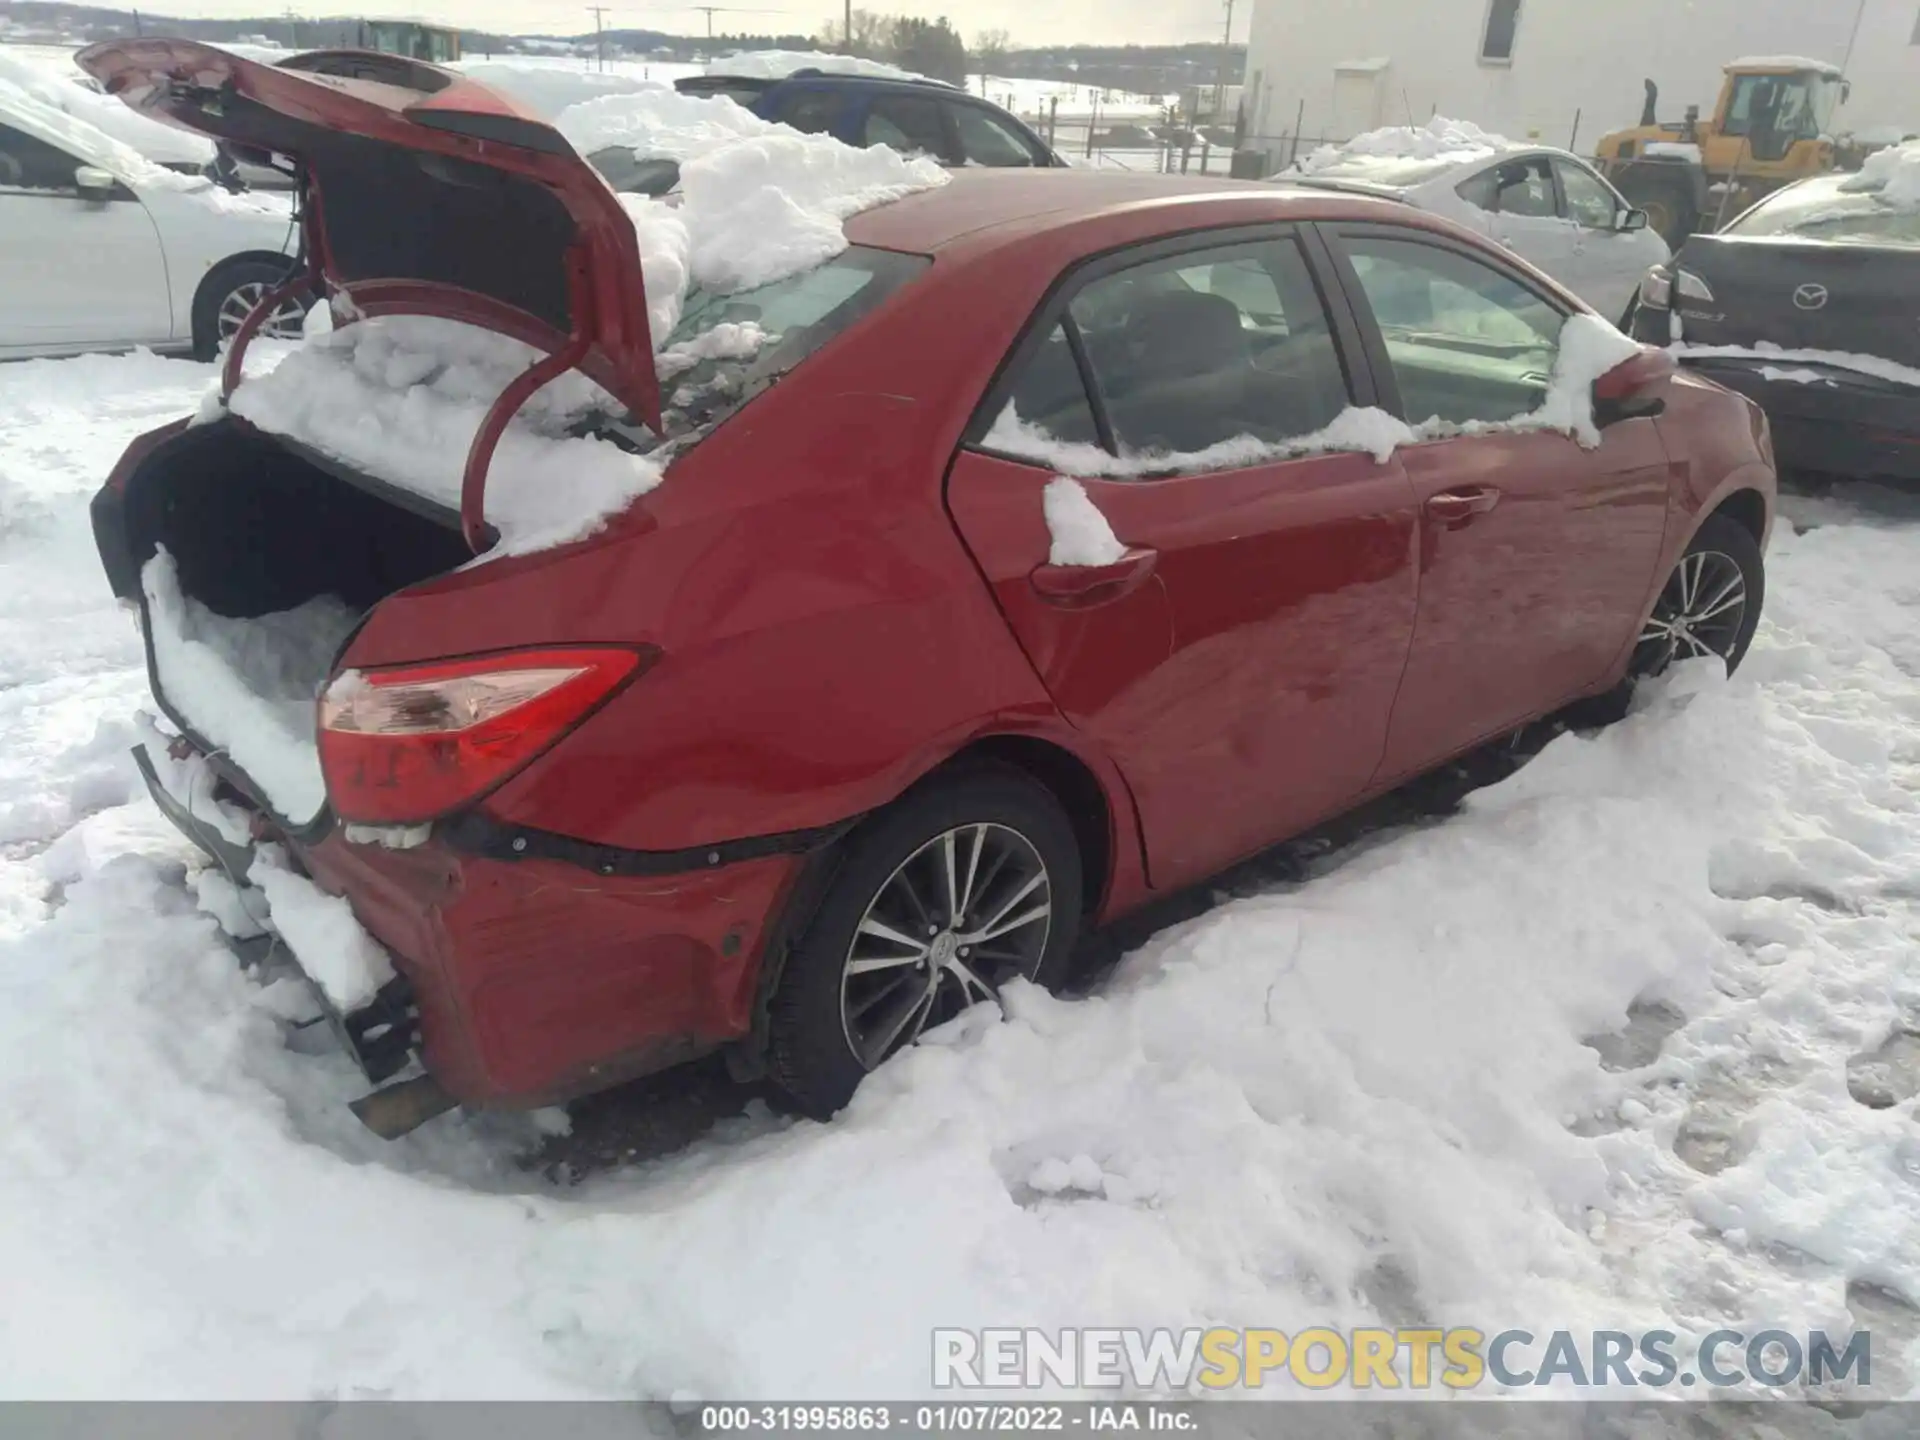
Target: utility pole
(599, 42)
(1226, 61)
(846, 33)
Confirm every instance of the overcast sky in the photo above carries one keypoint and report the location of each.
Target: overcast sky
(1108, 22)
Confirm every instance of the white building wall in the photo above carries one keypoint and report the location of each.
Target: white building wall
(1569, 56)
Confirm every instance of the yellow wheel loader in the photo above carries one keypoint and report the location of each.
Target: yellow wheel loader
(1773, 126)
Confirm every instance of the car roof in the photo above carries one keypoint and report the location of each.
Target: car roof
(1405, 173)
(978, 201)
(814, 76)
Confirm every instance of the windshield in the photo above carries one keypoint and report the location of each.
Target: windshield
(707, 371)
(1821, 210)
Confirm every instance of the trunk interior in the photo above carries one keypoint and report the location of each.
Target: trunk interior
(276, 555)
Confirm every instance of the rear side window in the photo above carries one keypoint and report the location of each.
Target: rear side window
(1050, 395)
(987, 139)
(907, 123)
(1481, 191)
(1191, 350)
(813, 111)
(799, 315)
(27, 163)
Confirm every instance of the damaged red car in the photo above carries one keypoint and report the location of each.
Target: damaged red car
(828, 735)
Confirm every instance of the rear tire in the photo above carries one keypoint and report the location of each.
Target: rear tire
(228, 293)
(884, 956)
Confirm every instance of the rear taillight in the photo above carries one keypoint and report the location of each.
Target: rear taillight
(408, 744)
(1656, 288)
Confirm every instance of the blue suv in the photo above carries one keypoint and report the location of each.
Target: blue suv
(908, 114)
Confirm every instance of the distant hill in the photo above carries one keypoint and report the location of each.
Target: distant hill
(1157, 69)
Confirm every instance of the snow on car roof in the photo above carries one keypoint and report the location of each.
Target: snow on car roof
(1783, 62)
(22, 106)
(779, 64)
(58, 86)
(1892, 174)
(1405, 155)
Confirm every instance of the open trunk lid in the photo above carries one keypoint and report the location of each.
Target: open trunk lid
(424, 192)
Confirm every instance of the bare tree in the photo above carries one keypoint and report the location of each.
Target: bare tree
(872, 35)
(990, 51)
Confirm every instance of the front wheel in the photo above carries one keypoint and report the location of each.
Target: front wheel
(965, 883)
(1710, 604)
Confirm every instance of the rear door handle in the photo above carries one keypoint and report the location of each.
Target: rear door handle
(1081, 587)
(1457, 507)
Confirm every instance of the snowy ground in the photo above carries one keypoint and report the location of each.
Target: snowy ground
(1629, 1042)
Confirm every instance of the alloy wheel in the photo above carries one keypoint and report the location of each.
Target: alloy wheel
(968, 911)
(1701, 611)
(284, 324)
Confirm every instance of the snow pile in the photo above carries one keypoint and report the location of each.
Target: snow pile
(249, 686)
(1081, 534)
(1589, 347)
(1838, 359)
(1439, 141)
(550, 90)
(770, 207)
(1575, 1057)
(81, 137)
(401, 396)
(778, 64)
(1892, 174)
(729, 340)
(660, 123)
(346, 963)
(757, 201)
(68, 94)
(1673, 150)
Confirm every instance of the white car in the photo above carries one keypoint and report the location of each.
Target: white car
(1547, 206)
(102, 249)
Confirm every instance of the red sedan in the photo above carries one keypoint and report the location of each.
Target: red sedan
(815, 744)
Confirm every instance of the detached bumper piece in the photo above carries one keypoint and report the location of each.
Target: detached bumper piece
(381, 1035)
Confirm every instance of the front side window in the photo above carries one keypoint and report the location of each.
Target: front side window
(986, 139)
(1194, 349)
(1525, 188)
(906, 123)
(1466, 342)
(29, 163)
(1503, 23)
(1589, 202)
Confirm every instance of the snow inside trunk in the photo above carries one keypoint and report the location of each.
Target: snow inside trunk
(256, 564)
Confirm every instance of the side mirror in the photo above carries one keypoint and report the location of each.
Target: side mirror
(1630, 220)
(1632, 388)
(93, 183)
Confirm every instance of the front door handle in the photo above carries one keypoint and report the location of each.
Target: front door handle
(1454, 508)
(1081, 587)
